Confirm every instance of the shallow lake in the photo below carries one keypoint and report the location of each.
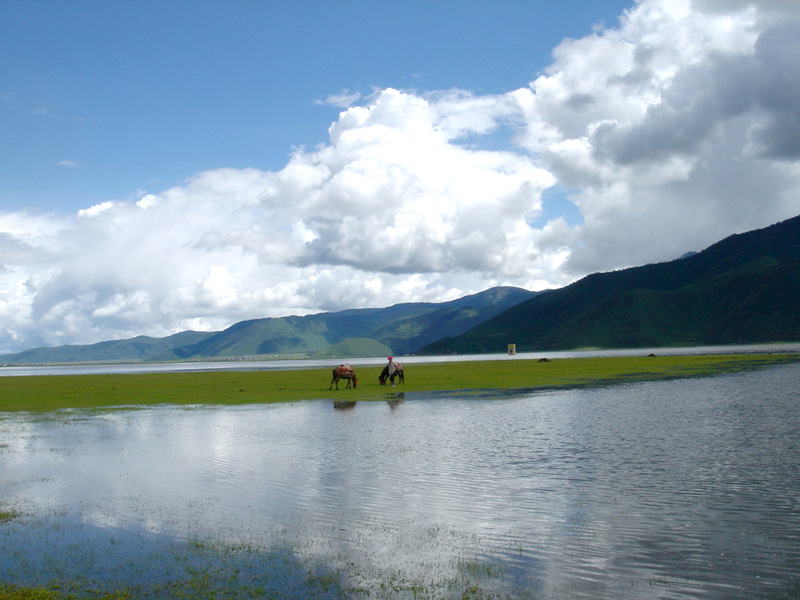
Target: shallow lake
(266, 365)
(673, 489)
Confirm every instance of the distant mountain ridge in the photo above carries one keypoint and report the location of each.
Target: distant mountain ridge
(139, 348)
(743, 289)
(400, 329)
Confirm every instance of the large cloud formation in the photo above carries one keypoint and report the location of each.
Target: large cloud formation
(669, 132)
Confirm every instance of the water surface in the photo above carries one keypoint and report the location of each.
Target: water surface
(671, 489)
(265, 365)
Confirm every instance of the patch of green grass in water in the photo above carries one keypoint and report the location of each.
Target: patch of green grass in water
(209, 570)
(57, 592)
(43, 393)
(8, 515)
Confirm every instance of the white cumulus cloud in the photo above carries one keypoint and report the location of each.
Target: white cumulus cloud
(676, 129)
(392, 209)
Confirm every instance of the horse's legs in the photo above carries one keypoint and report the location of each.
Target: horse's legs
(334, 380)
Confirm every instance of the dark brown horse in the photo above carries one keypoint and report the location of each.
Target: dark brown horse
(344, 372)
(397, 373)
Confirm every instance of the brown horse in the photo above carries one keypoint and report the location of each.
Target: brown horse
(344, 372)
(397, 373)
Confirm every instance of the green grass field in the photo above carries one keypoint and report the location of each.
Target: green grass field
(49, 392)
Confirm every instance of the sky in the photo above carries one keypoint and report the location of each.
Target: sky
(173, 165)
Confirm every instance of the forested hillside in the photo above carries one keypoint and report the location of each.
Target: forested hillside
(744, 289)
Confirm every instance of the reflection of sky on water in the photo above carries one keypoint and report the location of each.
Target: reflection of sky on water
(687, 487)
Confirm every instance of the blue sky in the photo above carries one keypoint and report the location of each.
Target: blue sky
(104, 99)
(179, 165)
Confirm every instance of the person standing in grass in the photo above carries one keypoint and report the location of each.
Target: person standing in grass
(392, 369)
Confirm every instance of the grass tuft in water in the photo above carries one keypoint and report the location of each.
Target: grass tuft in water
(8, 515)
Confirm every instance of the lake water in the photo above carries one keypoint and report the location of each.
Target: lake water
(264, 365)
(672, 489)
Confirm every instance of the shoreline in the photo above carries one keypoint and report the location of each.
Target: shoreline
(279, 362)
(46, 393)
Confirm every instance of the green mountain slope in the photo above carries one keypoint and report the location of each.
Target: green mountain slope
(403, 328)
(134, 349)
(744, 289)
(406, 336)
(353, 348)
(399, 329)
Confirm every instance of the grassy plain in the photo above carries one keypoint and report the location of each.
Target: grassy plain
(53, 392)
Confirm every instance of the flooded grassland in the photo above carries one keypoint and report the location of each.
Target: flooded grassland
(680, 488)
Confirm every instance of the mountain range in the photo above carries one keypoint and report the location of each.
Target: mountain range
(743, 289)
(399, 329)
